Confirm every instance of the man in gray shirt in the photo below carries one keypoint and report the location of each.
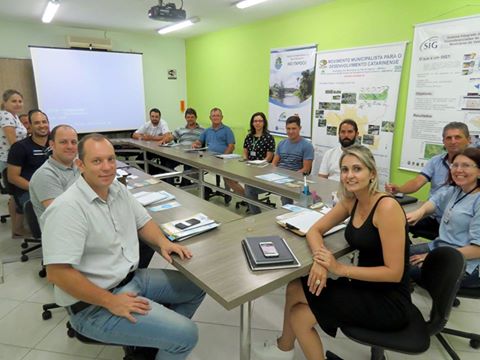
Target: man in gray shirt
(90, 247)
(185, 135)
(58, 172)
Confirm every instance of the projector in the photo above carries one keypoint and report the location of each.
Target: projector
(167, 12)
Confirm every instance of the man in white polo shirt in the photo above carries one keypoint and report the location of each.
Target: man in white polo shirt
(347, 135)
(90, 247)
(58, 172)
(155, 130)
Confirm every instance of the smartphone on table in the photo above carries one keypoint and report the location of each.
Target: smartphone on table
(185, 224)
(268, 249)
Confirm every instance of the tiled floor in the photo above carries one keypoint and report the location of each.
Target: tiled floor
(24, 335)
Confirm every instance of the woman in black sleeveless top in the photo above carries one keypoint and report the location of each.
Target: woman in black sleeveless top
(374, 294)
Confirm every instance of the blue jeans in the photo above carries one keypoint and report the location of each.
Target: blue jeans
(20, 200)
(252, 193)
(167, 328)
(469, 280)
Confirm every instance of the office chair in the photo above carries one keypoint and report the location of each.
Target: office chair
(209, 193)
(131, 353)
(32, 222)
(442, 272)
(3, 191)
(266, 199)
(34, 229)
(471, 293)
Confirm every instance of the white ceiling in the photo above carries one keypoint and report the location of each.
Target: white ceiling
(131, 15)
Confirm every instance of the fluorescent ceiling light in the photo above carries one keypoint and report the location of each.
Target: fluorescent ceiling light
(178, 26)
(247, 3)
(50, 10)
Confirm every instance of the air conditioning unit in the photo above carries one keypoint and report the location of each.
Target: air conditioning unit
(81, 42)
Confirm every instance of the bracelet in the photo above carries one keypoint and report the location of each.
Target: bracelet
(347, 273)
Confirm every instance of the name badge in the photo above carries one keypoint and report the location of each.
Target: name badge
(253, 153)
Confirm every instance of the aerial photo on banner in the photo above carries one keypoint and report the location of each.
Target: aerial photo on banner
(292, 72)
(360, 84)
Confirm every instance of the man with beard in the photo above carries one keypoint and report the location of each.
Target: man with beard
(25, 157)
(347, 135)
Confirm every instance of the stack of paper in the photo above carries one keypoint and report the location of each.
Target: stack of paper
(276, 178)
(258, 163)
(196, 149)
(170, 144)
(228, 156)
(146, 198)
(300, 222)
(179, 230)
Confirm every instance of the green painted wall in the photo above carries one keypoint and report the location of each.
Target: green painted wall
(230, 68)
(159, 54)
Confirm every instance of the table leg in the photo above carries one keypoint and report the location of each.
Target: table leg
(245, 335)
(145, 164)
(201, 182)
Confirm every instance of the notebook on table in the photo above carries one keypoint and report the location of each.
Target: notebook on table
(284, 259)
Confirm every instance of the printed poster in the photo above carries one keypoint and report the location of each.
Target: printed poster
(292, 73)
(444, 87)
(359, 84)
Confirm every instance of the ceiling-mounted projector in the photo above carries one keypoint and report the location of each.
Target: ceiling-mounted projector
(167, 12)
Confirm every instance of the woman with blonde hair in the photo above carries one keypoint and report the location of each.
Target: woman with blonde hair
(374, 293)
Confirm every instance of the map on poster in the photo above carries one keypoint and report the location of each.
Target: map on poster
(360, 84)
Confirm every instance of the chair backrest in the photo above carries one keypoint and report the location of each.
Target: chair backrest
(5, 186)
(32, 220)
(442, 272)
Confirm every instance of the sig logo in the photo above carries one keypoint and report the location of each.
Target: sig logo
(430, 43)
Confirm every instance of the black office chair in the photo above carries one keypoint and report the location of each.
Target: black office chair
(3, 191)
(131, 353)
(209, 193)
(26, 241)
(34, 226)
(471, 293)
(34, 229)
(442, 272)
(266, 199)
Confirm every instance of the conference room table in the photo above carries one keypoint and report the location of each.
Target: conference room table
(189, 204)
(207, 162)
(220, 267)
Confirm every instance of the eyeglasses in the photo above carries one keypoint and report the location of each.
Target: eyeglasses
(464, 166)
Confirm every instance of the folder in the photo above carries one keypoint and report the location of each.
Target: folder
(300, 222)
(258, 261)
(173, 233)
